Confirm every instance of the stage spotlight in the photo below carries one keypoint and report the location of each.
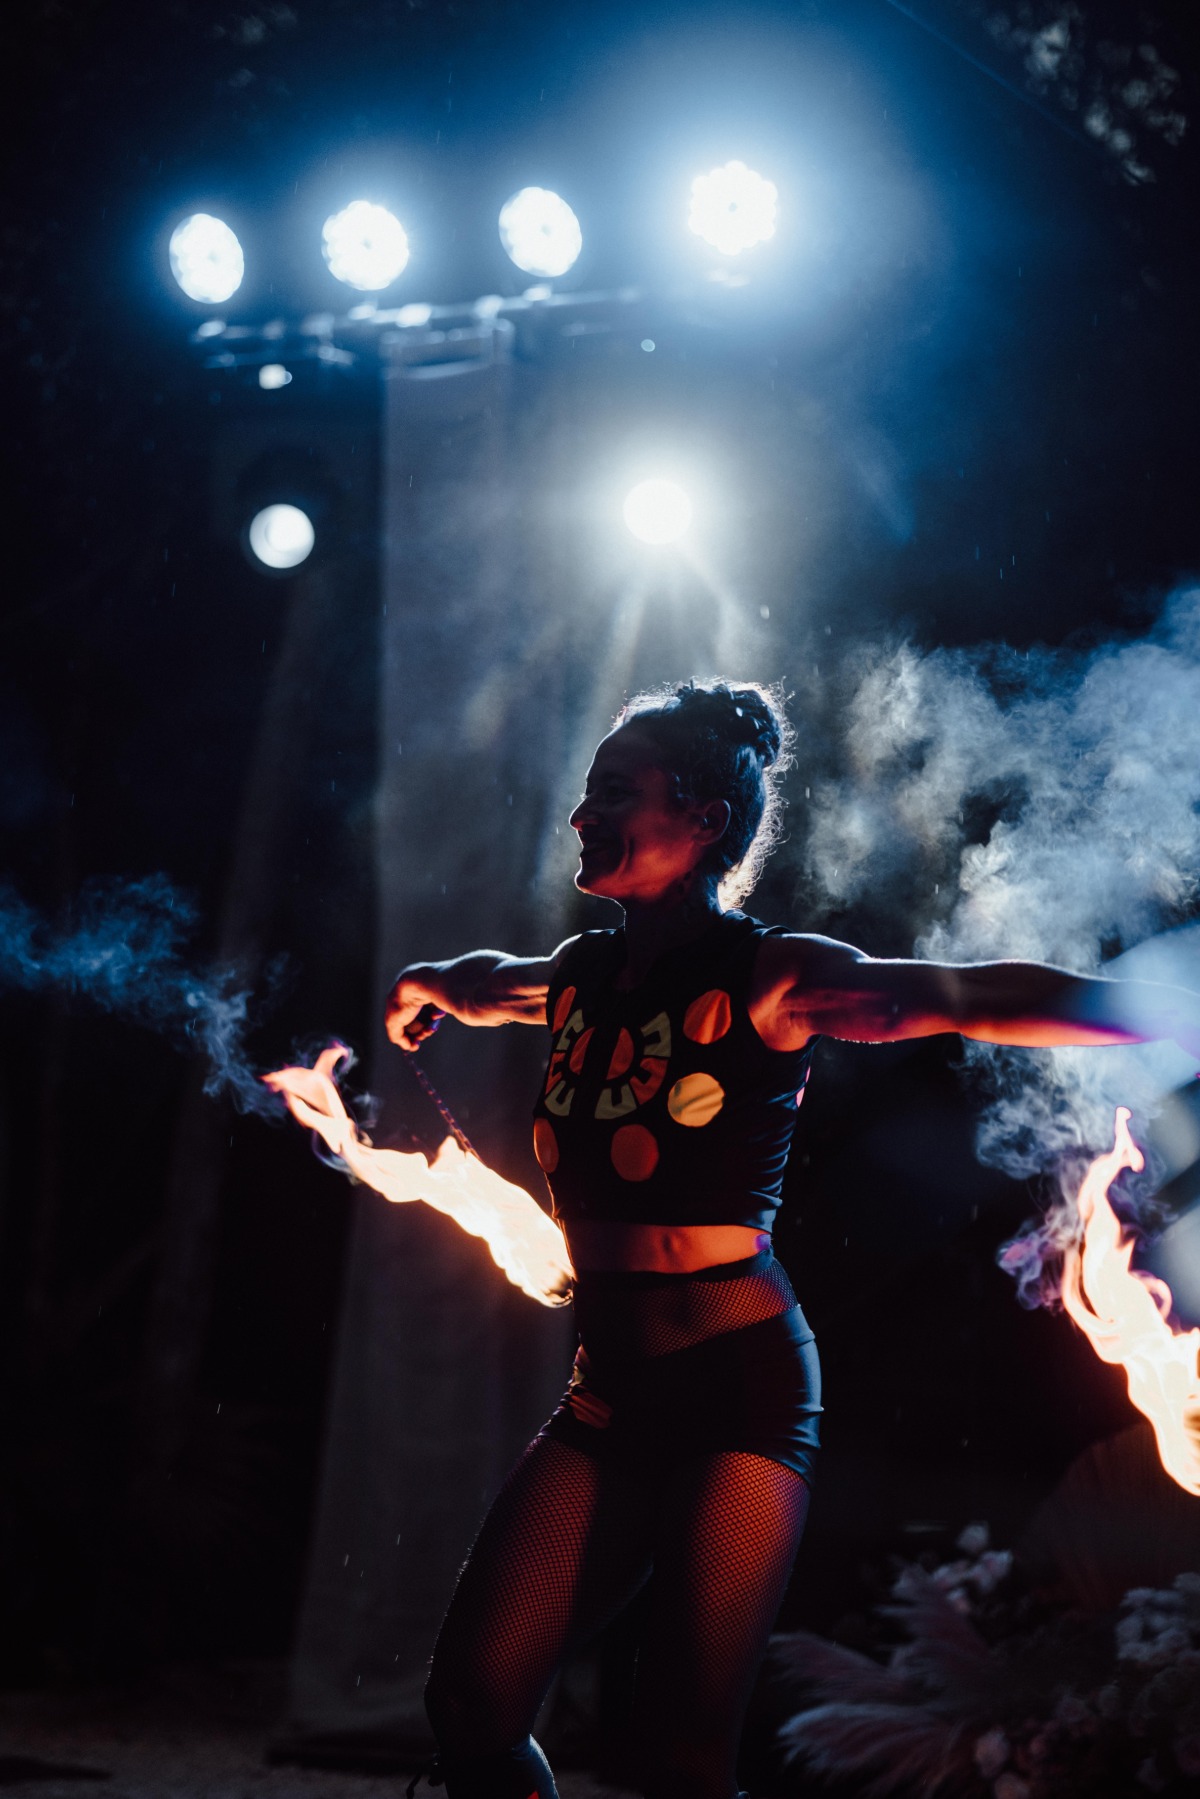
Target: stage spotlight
(281, 537)
(206, 258)
(365, 246)
(733, 208)
(540, 232)
(272, 375)
(658, 511)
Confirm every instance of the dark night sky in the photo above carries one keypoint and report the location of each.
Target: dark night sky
(1001, 320)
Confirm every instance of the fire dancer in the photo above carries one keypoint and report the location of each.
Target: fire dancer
(680, 1048)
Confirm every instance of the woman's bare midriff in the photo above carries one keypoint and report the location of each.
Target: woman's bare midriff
(604, 1244)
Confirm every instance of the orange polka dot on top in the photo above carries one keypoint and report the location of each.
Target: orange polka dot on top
(708, 1018)
(545, 1144)
(695, 1100)
(634, 1152)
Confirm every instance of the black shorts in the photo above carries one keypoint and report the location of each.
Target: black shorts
(755, 1388)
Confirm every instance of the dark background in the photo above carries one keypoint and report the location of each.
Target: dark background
(1002, 318)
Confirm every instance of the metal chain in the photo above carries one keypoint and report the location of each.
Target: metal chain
(430, 1091)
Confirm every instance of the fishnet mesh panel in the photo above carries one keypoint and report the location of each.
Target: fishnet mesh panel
(566, 1544)
(730, 1526)
(627, 1317)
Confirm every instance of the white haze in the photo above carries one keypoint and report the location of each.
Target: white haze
(1079, 773)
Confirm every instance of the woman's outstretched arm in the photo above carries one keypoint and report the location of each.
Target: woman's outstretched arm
(809, 985)
(485, 987)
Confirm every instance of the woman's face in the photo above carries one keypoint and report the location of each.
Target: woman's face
(637, 840)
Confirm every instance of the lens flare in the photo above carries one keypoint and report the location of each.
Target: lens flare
(733, 208)
(365, 246)
(540, 232)
(658, 511)
(206, 258)
(282, 536)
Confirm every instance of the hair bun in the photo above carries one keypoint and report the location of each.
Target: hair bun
(739, 715)
(761, 727)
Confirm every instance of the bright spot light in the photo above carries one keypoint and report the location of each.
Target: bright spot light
(272, 375)
(206, 258)
(733, 208)
(647, 343)
(365, 246)
(540, 232)
(658, 511)
(281, 536)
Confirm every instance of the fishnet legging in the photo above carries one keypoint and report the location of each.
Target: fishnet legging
(566, 1544)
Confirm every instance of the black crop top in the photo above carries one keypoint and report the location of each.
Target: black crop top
(663, 1105)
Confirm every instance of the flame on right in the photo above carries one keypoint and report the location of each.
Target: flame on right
(1124, 1314)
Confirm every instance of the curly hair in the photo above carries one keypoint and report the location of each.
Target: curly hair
(728, 743)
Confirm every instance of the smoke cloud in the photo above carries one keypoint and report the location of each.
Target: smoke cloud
(1042, 805)
(124, 948)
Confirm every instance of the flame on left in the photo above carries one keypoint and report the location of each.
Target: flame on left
(523, 1240)
(1124, 1312)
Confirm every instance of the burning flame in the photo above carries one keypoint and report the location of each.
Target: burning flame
(523, 1240)
(1124, 1314)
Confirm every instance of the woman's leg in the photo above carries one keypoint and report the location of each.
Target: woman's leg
(565, 1545)
(728, 1529)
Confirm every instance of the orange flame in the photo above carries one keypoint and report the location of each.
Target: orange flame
(1124, 1313)
(523, 1240)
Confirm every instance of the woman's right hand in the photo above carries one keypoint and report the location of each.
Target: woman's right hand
(485, 987)
(415, 1006)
